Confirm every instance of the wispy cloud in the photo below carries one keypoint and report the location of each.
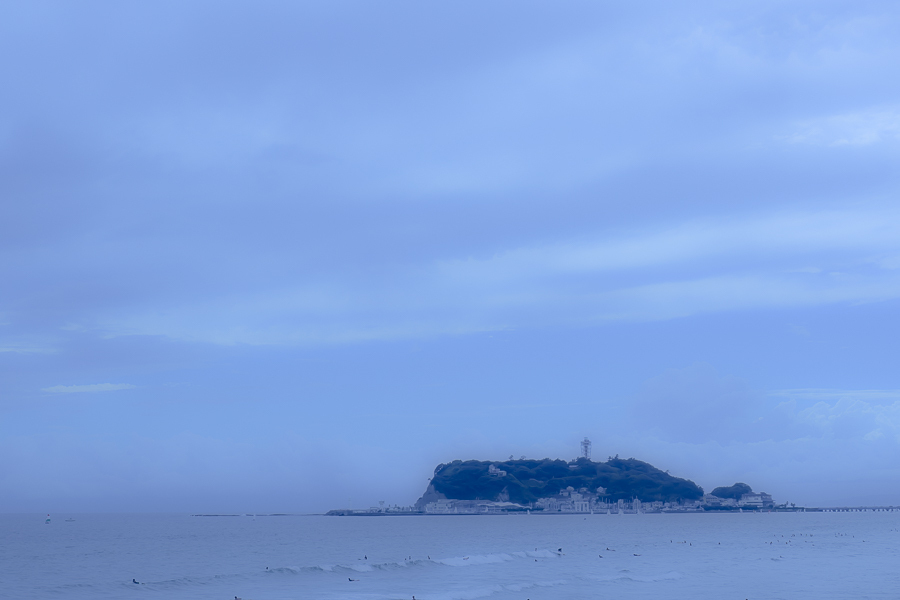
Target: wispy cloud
(30, 346)
(835, 394)
(94, 387)
(774, 261)
(861, 128)
(25, 350)
(854, 418)
(763, 236)
(728, 293)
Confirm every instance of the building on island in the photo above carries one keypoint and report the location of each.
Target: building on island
(584, 502)
(756, 500)
(751, 501)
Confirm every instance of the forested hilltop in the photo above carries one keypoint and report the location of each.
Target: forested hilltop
(525, 481)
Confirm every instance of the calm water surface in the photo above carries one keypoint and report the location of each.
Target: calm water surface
(792, 556)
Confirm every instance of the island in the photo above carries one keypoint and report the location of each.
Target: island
(527, 482)
(555, 486)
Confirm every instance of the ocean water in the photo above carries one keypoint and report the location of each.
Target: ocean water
(662, 556)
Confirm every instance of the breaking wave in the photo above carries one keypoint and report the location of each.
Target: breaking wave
(626, 576)
(452, 561)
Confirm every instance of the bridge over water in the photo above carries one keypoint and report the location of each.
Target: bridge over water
(855, 509)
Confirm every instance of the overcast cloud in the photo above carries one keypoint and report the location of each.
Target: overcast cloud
(330, 245)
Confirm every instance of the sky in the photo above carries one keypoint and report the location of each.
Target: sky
(288, 257)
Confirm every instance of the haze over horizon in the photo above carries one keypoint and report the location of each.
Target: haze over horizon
(289, 257)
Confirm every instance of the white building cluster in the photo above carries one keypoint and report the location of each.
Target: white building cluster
(388, 509)
(752, 500)
(583, 501)
(472, 507)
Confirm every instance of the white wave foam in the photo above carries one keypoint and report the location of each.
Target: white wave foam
(478, 559)
(670, 576)
(453, 561)
(537, 554)
(484, 592)
(525, 586)
(285, 570)
(485, 559)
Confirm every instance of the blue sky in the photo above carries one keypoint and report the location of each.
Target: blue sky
(286, 257)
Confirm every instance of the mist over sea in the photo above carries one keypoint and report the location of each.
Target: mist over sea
(765, 555)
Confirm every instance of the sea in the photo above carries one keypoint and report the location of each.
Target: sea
(504, 557)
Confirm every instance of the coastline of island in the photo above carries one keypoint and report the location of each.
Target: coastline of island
(581, 486)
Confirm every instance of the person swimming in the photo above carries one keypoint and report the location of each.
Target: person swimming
(135, 581)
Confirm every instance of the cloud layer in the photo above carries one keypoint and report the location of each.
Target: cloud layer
(775, 261)
(421, 232)
(94, 387)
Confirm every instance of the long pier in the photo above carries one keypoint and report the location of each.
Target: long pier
(854, 509)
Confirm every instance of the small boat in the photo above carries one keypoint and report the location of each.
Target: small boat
(69, 520)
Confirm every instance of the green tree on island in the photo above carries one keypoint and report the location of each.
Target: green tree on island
(733, 491)
(528, 480)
